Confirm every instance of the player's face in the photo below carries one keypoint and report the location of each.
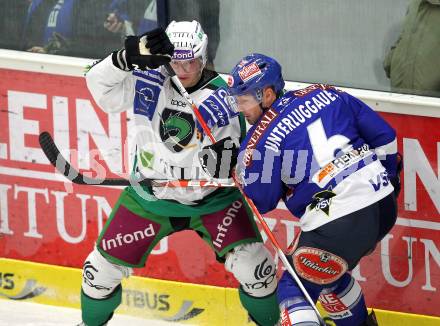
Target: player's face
(252, 104)
(188, 71)
(250, 107)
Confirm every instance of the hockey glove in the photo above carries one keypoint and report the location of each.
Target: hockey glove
(218, 160)
(148, 51)
(395, 181)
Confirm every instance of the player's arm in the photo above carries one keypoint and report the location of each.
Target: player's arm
(379, 135)
(111, 88)
(219, 159)
(375, 131)
(110, 81)
(261, 178)
(217, 113)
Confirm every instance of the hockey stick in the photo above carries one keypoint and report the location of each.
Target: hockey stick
(64, 167)
(251, 204)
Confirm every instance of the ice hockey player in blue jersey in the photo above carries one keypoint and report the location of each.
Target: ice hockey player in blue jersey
(333, 161)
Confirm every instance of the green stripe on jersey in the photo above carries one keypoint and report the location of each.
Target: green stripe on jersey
(214, 202)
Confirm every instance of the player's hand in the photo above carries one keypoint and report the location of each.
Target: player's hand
(395, 181)
(219, 159)
(148, 51)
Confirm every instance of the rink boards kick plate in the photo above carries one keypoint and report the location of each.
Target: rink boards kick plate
(148, 298)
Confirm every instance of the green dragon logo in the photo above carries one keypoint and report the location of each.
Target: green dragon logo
(176, 129)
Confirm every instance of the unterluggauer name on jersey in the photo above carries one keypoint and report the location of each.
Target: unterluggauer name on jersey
(297, 116)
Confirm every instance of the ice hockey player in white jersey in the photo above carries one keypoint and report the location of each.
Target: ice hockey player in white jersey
(334, 162)
(171, 146)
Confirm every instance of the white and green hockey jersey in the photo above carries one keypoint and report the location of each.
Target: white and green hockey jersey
(167, 139)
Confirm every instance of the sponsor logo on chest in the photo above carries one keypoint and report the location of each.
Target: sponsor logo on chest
(259, 131)
(178, 103)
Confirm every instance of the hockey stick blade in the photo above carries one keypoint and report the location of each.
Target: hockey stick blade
(63, 166)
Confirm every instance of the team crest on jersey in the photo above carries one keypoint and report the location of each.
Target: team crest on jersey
(322, 200)
(176, 129)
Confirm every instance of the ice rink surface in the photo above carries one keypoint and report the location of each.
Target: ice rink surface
(33, 314)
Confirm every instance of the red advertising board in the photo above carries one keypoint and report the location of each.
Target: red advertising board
(45, 219)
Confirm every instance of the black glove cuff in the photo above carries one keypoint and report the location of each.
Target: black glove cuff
(119, 60)
(131, 45)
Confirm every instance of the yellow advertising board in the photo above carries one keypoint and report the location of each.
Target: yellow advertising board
(148, 298)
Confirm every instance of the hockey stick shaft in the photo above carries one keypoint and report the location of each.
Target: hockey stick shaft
(64, 167)
(280, 251)
(247, 199)
(188, 98)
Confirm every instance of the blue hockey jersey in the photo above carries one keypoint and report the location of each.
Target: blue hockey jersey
(322, 151)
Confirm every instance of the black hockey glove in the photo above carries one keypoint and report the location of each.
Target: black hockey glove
(395, 181)
(218, 160)
(148, 51)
